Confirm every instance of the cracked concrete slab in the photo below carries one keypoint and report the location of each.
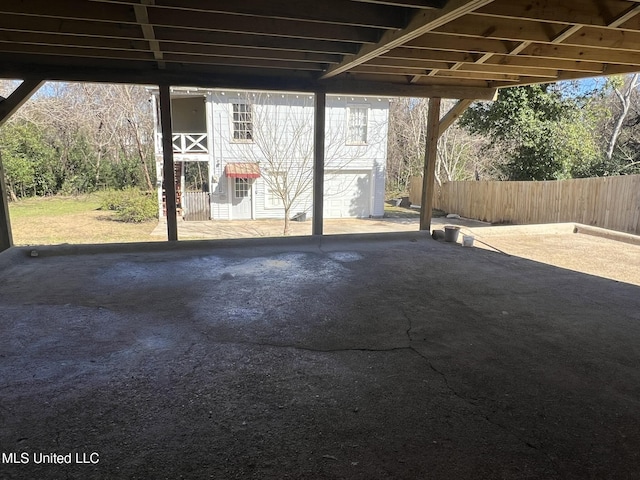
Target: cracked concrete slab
(315, 358)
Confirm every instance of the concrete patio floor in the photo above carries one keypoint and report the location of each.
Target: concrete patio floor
(389, 357)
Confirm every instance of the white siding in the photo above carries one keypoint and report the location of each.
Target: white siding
(286, 120)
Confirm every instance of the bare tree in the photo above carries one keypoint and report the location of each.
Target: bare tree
(459, 153)
(114, 120)
(407, 137)
(624, 89)
(282, 143)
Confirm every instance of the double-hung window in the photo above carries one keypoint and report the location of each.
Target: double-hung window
(242, 122)
(357, 125)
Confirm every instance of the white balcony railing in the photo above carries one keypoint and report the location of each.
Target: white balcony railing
(186, 143)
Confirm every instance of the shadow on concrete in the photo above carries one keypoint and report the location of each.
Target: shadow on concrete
(317, 358)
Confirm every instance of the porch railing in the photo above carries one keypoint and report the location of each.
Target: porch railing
(186, 143)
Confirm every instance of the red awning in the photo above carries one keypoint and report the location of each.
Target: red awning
(242, 170)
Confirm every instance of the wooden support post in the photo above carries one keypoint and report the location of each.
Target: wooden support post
(168, 171)
(6, 240)
(430, 154)
(20, 95)
(453, 114)
(318, 162)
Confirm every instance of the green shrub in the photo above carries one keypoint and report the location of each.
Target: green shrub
(131, 205)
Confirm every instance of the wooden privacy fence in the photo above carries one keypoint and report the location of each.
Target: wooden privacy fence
(608, 202)
(196, 206)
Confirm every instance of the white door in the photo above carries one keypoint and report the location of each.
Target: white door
(347, 194)
(241, 198)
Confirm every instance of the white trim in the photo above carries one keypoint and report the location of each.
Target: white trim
(230, 193)
(253, 196)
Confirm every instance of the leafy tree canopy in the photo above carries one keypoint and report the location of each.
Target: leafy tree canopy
(543, 134)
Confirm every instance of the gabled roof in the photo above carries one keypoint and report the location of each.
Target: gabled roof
(454, 48)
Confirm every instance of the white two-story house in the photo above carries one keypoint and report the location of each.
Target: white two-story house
(249, 155)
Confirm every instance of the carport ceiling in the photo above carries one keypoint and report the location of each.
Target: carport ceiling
(454, 48)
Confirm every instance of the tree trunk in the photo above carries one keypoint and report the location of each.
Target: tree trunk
(12, 193)
(98, 161)
(625, 100)
(145, 169)
(287, 223)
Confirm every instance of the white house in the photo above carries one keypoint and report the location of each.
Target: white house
(249, 155)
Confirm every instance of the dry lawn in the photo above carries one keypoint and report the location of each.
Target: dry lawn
(56, 220)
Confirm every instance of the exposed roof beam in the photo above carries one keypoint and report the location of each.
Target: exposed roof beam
(326, 11)
(488, 27)
(105, 55)
(561, 36)
(20, 95)
(624, 18)
(454, 43)
(241, 79)
(573, 12)
(63, 44)
(87, 33)
(100, 13)
(453, 114)
(142, 18)
(407, 3)
(423, 22)
(533, 71)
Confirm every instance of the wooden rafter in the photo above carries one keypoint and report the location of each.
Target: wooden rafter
(20, 95)
(142, 18)
(563, 33)
(422, 22)
(327, 11)
(382, 47)
(452, 115)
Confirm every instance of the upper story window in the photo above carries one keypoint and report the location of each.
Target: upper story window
(242, 122)
(357, 125)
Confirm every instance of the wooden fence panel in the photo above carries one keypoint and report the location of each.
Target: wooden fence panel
(196, 206)
(608, 202)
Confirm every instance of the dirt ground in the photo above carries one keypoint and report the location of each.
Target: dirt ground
(557, 244)
(332, 358)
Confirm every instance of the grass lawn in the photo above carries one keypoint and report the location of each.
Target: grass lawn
(55, 220)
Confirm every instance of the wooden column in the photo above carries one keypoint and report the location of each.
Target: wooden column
(168, 171)
(430, 154)
(318, 162)
(6, 239)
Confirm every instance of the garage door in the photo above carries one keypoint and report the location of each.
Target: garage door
(347, 194)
